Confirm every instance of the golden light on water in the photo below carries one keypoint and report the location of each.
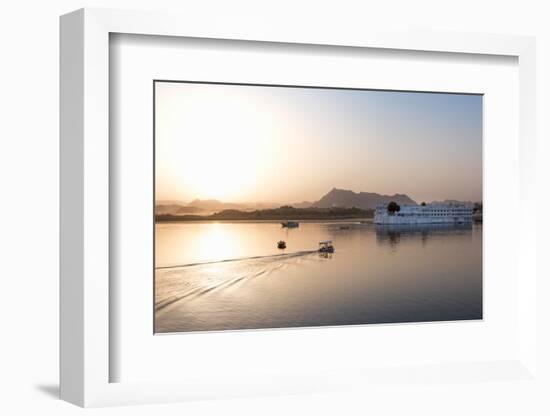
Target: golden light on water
(215, 243)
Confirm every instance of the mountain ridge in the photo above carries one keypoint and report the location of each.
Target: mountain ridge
(335, 198)
(345, 198)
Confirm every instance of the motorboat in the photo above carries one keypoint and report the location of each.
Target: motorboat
(326, 246)
(290, 224)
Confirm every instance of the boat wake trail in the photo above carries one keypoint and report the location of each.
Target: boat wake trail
(283, 255)
(185, 282)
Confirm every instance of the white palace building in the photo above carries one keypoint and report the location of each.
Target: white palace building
(425, 214)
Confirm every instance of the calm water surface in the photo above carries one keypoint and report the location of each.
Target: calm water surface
(220, 276)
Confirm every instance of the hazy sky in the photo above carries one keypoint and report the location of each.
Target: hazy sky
(241, 143)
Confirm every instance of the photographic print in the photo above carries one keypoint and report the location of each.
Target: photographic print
(289, 206)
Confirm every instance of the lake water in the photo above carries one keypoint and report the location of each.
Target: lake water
(222, 276)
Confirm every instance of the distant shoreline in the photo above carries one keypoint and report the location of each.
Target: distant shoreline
(275, 221)
(284, 213)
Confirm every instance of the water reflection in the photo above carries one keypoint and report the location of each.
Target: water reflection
(216, 276)
(394, 234)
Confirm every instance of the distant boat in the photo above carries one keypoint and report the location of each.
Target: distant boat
(345, 227)
(281, 244)
(290, 224)
(326, 247)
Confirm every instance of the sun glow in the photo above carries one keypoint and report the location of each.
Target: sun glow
(242, 143)
(213, 146)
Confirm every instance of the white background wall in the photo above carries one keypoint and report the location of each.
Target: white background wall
(29, 206)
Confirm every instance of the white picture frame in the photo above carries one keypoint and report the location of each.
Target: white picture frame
(85, 216)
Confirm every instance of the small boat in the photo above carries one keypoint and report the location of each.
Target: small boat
(290, 224)
(281, 244)
(345, 227)
(326, 247)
